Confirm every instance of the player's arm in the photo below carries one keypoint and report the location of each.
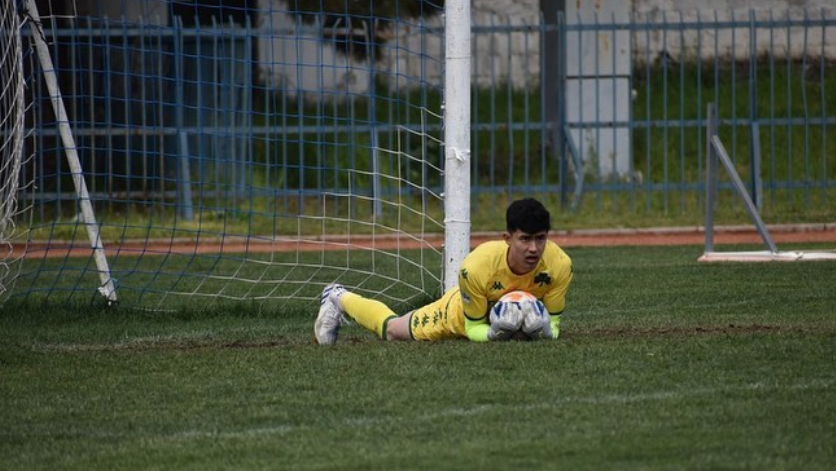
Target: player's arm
(483, 330)
(554, 323)
(475, 307)
(477, 330)
(555, 299)
(474, 304)
(554, 316)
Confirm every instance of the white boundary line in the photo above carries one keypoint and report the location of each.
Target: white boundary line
(487, 409)
(766, 256)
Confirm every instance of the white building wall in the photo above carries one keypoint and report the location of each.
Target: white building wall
(522, 12)
(293, 57)
(290, 60)
(735, 43)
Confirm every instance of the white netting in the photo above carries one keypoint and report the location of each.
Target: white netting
(176, 162)
(11, 131)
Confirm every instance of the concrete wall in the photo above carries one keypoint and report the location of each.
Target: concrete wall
(525, 49)
(293, 60)
(735, 43)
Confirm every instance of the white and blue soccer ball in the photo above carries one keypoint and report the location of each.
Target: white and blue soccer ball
(519, 314)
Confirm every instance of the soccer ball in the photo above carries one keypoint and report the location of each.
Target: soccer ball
(519, 313)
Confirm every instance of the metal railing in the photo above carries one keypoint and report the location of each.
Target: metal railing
(608, 114)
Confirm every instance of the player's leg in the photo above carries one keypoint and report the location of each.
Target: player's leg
(440, 320)
(432, 321)
(337, 303)
(330, 317)
(371, 314)
(398, 328)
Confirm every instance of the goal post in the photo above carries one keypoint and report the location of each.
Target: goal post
(718, 156)
(107, 287)
(456, 138)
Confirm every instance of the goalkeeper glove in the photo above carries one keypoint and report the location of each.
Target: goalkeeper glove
(504, 323)
(538, 327)
(536, 324)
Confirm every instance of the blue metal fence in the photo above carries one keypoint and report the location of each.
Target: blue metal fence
(604, 113)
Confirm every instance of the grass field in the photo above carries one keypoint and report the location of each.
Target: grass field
(663, 363)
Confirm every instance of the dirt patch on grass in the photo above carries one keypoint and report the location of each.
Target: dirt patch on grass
(285, 341)
(695, 331)
(182, 345)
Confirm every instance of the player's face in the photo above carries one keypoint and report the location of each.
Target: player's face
(525, 250)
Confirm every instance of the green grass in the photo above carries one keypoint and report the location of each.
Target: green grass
(663, 363)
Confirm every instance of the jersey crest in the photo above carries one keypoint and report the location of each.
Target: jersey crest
(543, 279)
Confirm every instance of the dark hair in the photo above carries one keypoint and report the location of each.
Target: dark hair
(527, 215)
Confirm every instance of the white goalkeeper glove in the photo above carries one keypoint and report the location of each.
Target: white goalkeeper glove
(538, 324)
(505, 322)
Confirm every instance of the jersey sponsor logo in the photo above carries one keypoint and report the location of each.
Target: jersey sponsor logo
(543, 279)
(497, 286)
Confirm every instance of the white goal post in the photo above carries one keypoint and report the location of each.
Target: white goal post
(107, 287)
(716, 156)
(456, 138)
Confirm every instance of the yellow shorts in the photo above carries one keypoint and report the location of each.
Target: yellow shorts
(441, 319)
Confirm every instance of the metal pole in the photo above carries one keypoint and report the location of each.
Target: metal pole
(741, 190)
(754, 130)
(457, 62)
(552, 54)
(184, 183)
(710, 176)
(107, 288)
(371, 51)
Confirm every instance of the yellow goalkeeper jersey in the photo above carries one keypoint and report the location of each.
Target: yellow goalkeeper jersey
(485, 276)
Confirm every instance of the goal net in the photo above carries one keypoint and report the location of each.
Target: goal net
(11, 131)
(233, 154)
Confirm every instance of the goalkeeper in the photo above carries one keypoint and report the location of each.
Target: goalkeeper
(524, 260)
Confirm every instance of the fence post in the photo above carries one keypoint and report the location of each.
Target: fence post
(551, 47)
(710, 176)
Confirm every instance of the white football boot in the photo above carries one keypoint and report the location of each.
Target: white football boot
(331, 316)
